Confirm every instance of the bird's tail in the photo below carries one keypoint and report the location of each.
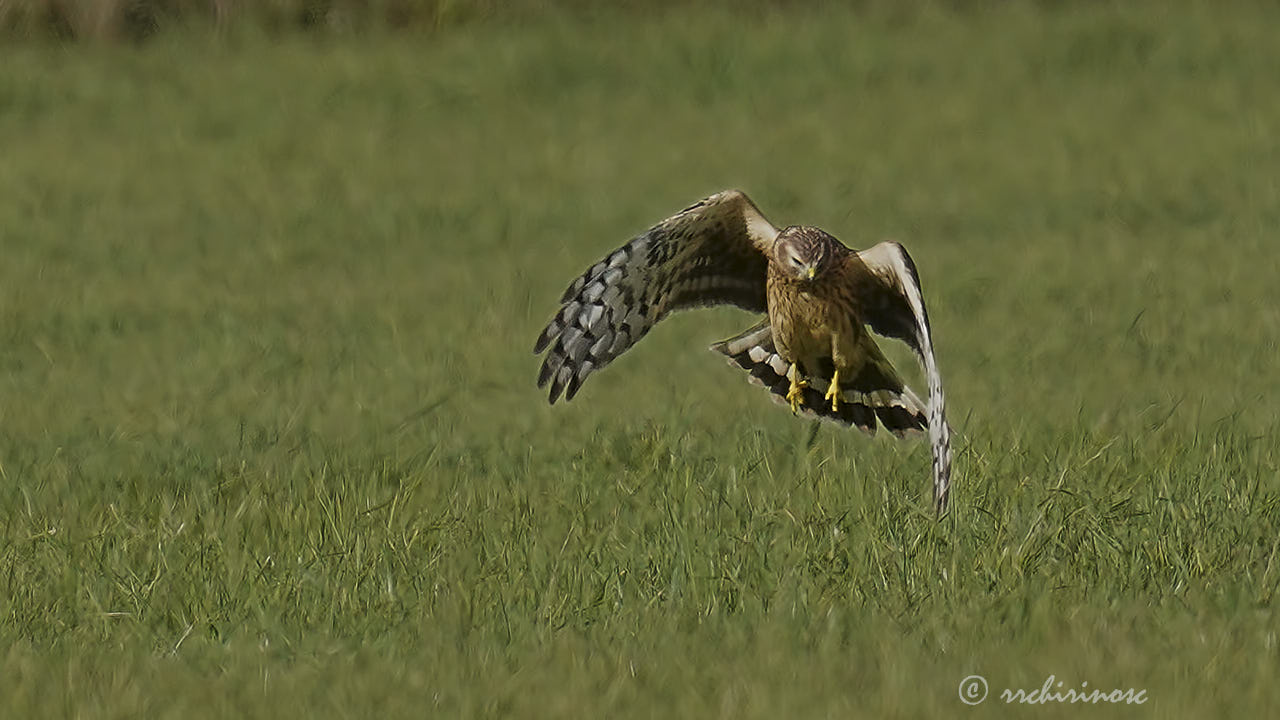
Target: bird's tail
(876, 393)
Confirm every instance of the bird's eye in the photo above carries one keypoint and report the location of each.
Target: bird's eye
(795, 261)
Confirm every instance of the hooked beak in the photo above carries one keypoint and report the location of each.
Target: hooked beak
(812, 271)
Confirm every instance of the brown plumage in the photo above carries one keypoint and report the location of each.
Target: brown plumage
(819, 297)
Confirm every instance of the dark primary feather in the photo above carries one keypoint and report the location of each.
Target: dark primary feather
(713, 252)
(883, 300)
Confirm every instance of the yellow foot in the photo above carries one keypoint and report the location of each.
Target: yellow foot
(833, 392)
(795, 395)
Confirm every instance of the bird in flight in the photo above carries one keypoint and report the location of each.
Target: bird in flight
(812, 351)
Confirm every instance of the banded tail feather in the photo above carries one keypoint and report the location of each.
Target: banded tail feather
(876, 394)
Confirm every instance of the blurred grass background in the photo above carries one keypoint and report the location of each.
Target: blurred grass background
(270, 443)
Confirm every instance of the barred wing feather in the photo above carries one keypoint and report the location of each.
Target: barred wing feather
(711, 253)
(891, 302)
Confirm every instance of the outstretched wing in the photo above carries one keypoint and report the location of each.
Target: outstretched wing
(713, 252)
(887, 288)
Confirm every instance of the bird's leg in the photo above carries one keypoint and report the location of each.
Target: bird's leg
(833, 392)
(795, 395)
(839, 358)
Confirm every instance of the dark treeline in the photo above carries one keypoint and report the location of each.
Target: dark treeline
(137, 20)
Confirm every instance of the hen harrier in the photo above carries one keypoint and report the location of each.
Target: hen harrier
(812, 351)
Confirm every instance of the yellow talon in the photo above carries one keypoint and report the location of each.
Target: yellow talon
(833, 392)
(795, 395)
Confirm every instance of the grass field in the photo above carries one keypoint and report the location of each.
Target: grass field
(270, 444)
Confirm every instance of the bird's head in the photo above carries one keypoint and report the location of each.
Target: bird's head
(804, 253)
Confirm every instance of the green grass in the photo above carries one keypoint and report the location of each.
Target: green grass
(270, 444)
